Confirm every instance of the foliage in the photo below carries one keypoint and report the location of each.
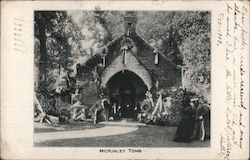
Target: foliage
(197, 58)
(56, 40)
(159, 30)
(176, 107)
(63, 40)
(184, 37)
(45, 102)
(174, 111)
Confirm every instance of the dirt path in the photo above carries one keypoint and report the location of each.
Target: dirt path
(98, 132)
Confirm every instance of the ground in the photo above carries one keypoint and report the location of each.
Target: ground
(108, 134)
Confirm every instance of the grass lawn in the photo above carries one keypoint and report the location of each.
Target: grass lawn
(144, 136)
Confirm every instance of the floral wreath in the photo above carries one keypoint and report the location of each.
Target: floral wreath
(146, 106)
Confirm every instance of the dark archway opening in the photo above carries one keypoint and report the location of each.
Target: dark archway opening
(127, 90)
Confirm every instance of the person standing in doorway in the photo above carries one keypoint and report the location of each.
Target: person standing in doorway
(113, 112)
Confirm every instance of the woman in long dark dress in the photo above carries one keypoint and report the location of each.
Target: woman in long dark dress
(187, 122)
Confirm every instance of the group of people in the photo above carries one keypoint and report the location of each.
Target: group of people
(103, 110)
(193, 125)
(115, 112)
(195, 121)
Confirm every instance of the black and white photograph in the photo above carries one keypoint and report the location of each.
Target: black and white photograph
(128, 80)
(122, 78)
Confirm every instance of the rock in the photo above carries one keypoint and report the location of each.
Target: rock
(53, 119)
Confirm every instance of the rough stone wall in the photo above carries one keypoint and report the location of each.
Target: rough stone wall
(140, 60)
(89, 94)
(168, 75)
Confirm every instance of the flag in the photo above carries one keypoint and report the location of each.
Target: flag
(103, 61)
(158, 105)
(124, 57)
(156, 58)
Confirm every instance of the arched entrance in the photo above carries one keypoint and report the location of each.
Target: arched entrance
(127, 90)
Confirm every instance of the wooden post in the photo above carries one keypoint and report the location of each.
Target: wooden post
(43, 114)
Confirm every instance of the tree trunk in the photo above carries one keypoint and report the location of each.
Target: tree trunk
(43, 49)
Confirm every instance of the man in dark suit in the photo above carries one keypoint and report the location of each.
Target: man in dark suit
(202, 129)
